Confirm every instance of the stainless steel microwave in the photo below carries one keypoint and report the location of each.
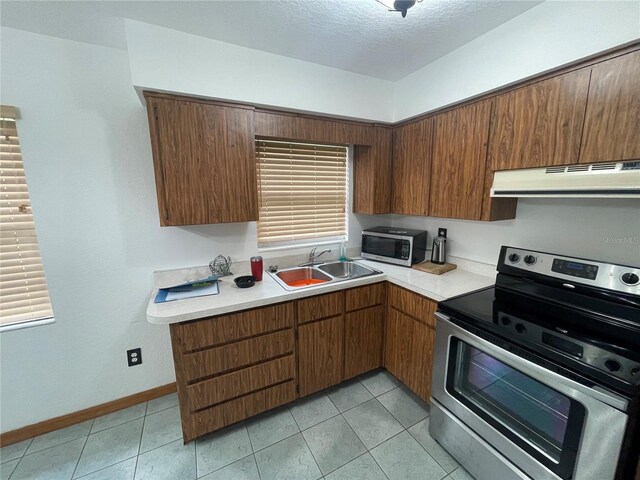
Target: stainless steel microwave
(399, 246)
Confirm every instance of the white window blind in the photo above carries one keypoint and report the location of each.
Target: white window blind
(23, 288)
(303, 192)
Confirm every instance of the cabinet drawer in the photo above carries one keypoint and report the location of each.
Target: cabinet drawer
(226, 387)
(231, 356)
(322, 306)
(362, 297)
(419, 307)
(228, 328)
(197, 424)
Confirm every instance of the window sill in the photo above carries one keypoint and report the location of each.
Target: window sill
(23, 325)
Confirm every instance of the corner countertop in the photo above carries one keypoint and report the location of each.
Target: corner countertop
(467, 277)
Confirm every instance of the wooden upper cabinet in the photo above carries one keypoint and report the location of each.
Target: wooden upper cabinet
(312, 129)
(372, 174)
(459, 160)
(541, 124)
(412, 150)
(612, 123)
(204, 160)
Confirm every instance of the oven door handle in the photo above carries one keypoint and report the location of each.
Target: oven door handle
(530, 368)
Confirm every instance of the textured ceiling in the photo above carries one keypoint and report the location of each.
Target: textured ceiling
(355, 35)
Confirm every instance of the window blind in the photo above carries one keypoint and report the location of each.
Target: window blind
(303, 192)
(23, 288)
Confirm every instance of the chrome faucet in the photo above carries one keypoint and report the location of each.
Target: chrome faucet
(313, 256)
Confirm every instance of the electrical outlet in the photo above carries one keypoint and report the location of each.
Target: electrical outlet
(134, 357)
(442, 232)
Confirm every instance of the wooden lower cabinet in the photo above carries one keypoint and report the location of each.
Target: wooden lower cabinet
(409, 338)
(363, 335)
(235, 366)
(231, 367)
(320, 354)
(409, 352)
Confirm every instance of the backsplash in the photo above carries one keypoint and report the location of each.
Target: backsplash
(597, 229)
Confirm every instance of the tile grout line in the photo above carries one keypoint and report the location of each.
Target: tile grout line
(429, 453)
(379, 466)
(144, 420)
(332, 402)
(256, 464)
(80, 456)
(374, 458)
(250, 442)
(195, 458)
(103, 468)
(307, 444)
(57, 444)
(20, 459)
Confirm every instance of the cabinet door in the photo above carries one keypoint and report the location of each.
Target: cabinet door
(372, 174)
(204, 159)
(412, 150)
(409, 352)
(612, 123)
(320, 354)
(363, 334)
(541, 124)
(459, 160)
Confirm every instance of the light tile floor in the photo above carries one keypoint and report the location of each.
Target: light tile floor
(370, 428)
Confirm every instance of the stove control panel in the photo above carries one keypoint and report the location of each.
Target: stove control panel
(575, 269)
(618, 278)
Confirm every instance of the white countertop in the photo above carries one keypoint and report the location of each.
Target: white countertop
(467, 277)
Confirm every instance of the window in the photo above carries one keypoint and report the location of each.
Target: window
(303, 192)
(24, 296)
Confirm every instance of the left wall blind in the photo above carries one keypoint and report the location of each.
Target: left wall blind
(24, 296)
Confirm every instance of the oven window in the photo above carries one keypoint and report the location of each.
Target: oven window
(542, 421)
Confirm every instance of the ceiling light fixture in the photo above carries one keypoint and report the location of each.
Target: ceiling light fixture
(399, 5)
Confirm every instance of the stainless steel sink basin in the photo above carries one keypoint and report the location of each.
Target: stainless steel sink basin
(305, 277)
(346, 270)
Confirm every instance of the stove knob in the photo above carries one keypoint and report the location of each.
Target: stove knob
(514, 257)
(635, 371)
(630, 278)
(613, 365)
(529, 259)
(506, 321)
(520, 328)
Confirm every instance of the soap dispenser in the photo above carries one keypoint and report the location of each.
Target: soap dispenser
(343, 250)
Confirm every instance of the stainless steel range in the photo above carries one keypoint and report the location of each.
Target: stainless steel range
(539, 376)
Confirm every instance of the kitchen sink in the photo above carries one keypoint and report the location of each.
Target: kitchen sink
(346, 270)
(302, 277)
(305, 277)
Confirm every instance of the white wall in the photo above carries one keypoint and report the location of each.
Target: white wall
(88, 161)
(168, 60)
(546, 36)
(597, 229)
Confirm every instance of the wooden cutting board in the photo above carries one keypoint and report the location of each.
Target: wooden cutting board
(434, 268)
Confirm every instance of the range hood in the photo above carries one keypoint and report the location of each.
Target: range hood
(599, 180)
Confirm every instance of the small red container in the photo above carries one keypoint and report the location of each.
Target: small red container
(256, 268)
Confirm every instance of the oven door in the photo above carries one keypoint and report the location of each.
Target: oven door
(547, 425)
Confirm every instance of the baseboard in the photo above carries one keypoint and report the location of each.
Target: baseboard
(63, 421)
